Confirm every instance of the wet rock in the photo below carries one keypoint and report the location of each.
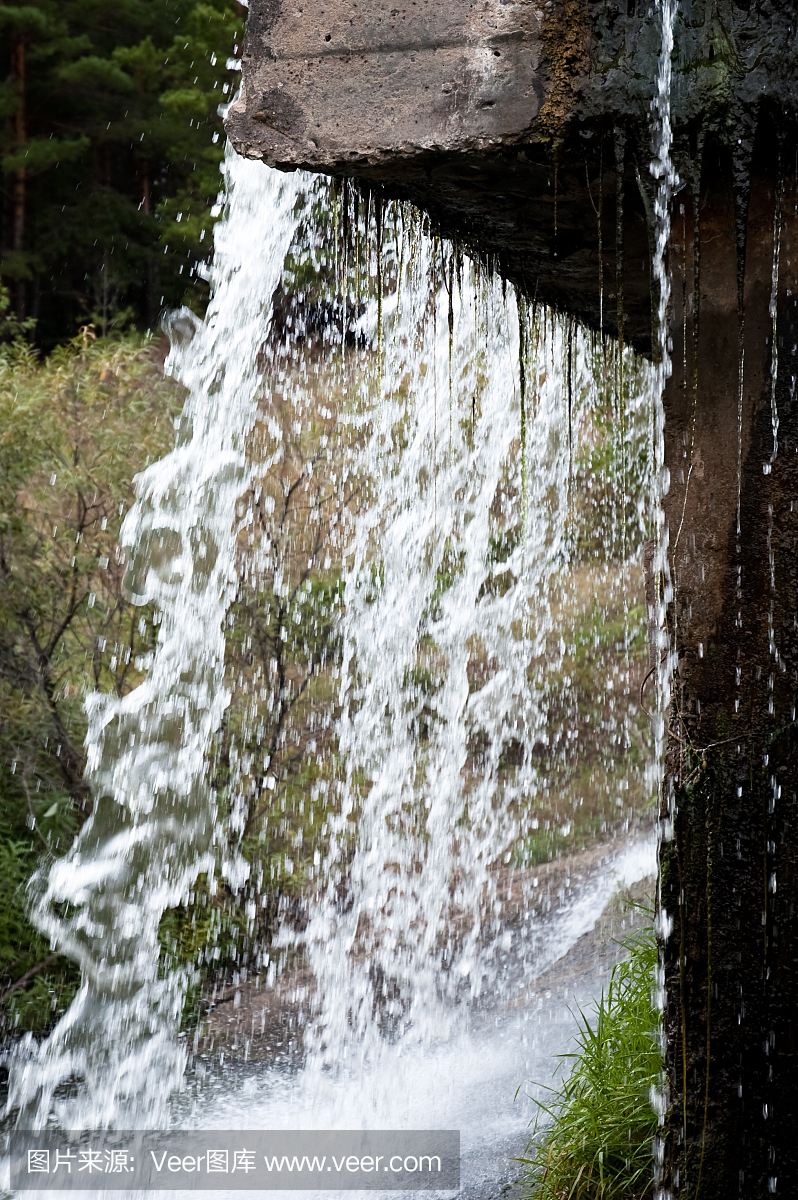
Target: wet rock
(264, 1019)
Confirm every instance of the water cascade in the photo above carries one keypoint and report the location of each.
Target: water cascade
(471, 499)
(664, 662)
(539, 136)
(450, 641)
(154, 824)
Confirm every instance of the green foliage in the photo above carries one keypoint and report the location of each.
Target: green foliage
(284, 648)
(597, 634)
(11, 328)
(76, 428)
(110, 153)
(206, 935)
(598, 1145)
(275, 752)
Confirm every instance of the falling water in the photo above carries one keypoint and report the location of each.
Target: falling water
(154, 824)
(455, 573)
(440, 583)
(774, 321)
(462, 575)
(664, 172)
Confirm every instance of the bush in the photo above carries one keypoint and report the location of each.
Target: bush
(598, 1145)
(76, 426)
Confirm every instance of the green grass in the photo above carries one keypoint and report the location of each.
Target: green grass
(593, 1139)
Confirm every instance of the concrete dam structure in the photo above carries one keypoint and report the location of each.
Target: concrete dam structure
(547, 137)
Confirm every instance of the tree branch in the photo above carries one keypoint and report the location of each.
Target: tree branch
(23, 979)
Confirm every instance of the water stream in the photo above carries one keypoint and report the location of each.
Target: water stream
(155, 820)
(468, 527)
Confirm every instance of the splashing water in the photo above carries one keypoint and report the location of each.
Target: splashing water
(154, 824)
(465, 463)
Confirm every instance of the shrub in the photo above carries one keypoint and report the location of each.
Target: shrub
(76, 426)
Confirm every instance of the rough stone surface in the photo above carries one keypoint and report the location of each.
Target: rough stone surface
(330, 82)
(454, 106)
(730, 859)
(499, 118)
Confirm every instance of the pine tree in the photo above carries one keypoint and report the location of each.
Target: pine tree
(110, 153)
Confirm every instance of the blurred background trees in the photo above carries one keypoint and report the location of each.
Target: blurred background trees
(110, 144)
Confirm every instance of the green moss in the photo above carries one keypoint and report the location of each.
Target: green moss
(566, 38)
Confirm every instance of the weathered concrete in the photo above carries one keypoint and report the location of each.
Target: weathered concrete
(730, 873)
(455, 106)
(371, 85)
(503, 119)
(330, 80)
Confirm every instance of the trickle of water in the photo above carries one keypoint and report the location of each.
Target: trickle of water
(774, 321)
(663, 170)
(154, 826)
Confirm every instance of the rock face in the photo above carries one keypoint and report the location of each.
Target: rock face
(729, 861)
(511, 122)
(371, 85)
(358, 83)
(454, 105)
(524, 130)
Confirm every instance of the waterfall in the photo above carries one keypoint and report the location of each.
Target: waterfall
(468, 431)
(438, 584)
(154, 825)
(484, 511)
